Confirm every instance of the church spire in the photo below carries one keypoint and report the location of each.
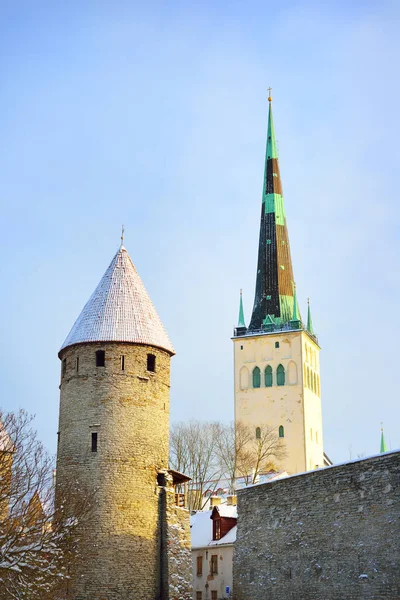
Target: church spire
(274, 284)
(241, 322)
(309, 319)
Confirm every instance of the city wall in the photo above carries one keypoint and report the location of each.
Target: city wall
(328, 534)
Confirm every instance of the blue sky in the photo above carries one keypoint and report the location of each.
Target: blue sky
(154, 115)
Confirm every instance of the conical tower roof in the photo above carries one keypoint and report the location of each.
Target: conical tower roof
(120, 310)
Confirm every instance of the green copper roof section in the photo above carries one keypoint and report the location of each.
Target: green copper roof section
(383, 443)
(273, 202)
(309, 320)
(241, 322)
(272, 151)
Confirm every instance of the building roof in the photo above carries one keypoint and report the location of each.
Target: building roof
(119, 310)
(226, 510)
(201, 530)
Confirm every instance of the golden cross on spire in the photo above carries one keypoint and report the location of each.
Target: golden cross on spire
(269, 94)
(122, 235)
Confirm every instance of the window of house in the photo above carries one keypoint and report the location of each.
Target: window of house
(199, 565)
(199, 595)
(214, 564)
(217, 529)
(77, 364)
(214, 595)
(151, 363)
(280, 375)
(122, 363)
(268, 376)
(94, 441)
(256, 377)
(241, 347)
(281, 431)
(100, 358)
(258, 433)
(276, 344)
(63, 367)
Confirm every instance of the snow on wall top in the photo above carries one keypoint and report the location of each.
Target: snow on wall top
(119, 310)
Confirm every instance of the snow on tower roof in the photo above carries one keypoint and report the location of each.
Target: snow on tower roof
(119, 310)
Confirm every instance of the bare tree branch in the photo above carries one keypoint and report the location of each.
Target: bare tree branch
(37, 541)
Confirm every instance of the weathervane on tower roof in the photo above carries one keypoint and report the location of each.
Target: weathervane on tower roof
(269, 94)
(122, 236)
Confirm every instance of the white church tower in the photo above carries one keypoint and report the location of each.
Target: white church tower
(276, 359)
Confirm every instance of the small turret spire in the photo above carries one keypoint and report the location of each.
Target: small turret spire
(241, 322)
(383, 443)
(295, 316)
(309, 319)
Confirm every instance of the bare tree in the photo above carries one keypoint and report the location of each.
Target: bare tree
(193, 452)
(213, 454)
(37, 541)
(246, 453)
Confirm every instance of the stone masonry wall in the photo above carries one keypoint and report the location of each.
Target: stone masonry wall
(176, 548)
(331, 534)
(129, 411)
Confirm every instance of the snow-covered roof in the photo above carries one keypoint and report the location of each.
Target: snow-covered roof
(201, 529)
(226, 510)
(229, 538)
(120, 310)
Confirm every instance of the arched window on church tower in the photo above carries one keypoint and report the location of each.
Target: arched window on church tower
(268, 376)
(281, 431)
(258, 433)
(280, 375)
(256, 377)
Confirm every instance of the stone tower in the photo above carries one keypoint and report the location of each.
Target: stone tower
(276, 359)
(114, 438)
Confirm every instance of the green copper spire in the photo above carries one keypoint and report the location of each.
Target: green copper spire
(274, 281)
(383, 443)
(309, 320)
(241, 322)
(272, 151)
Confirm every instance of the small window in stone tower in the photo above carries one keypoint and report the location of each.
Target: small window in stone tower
(122, 363)
(94, 441)
(100, 358)
(281, 431)
(258, 433)
(77, 364)
(276, 344)
(64, 367)
(151, 363)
